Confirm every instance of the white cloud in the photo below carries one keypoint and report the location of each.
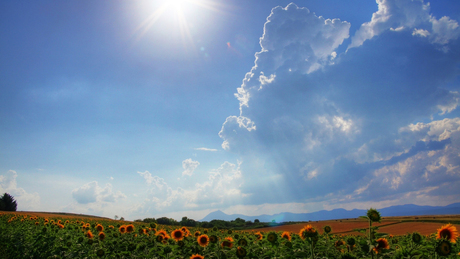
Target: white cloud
(25, 200)
(92, 193)
(222, 188)
(206, 149)
(421, 32)
(189, 166)
(341, 129)
(444, 30)
(412, 14)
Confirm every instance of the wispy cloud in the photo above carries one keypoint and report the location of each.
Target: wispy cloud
(91, 192)
(206, 149)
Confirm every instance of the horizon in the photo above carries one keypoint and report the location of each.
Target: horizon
(181, 108)
(237, 214)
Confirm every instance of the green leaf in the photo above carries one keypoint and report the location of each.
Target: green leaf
(300, 255)
(378, 235)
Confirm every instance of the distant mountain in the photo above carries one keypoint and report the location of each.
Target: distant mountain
(399, 210)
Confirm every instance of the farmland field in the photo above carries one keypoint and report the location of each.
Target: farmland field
(63, 235)
(390, 225)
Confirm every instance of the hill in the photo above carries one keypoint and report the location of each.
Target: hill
(399, 210)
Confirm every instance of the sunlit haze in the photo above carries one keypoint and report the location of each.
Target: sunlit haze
(181, 108)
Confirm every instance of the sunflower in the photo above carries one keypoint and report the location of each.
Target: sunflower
(373, 215)
(258, 235)
(272, 237)
(308, 231)
(101, 235)
(448, 232)
(382, 243)
(60, 226)
(89, 234)
(122, 229)
(130, 228)
(213, 239)
(242, 242)
(196, 256)
(444, 248)
(159, 238)
(339, 243)
(241, 252)
(177, 234)
(197, 233)
(99, 228)
(162, 233)
(186, 231)
(286, 235)
(327, 229)
(416, 238)
(203, 240)
(228, 242)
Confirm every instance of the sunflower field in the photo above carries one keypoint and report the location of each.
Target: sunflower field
(29, 236)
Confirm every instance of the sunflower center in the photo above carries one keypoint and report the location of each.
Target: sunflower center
(445, 233)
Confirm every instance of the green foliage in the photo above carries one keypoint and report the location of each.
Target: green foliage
(8, 203)
(33, 237)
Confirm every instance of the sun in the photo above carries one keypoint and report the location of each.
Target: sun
(177, 10)
(176, 3)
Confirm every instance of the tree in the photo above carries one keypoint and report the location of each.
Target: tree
(149, 220)
(8, 203)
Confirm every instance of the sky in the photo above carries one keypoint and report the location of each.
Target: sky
(180, 108)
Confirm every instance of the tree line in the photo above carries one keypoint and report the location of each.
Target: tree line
(236, 224)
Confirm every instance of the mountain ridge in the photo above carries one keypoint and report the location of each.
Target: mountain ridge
(392, 211)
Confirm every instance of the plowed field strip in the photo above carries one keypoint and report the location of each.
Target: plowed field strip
(424, 228)
(337, 227)
(390, 227)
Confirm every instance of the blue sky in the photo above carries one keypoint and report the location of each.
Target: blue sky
(179, 108)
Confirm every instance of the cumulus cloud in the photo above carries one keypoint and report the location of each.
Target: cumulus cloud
(397, 15)
(189, 166)
(221, 189)
(318, 123)
(91, 193)
(25, 200)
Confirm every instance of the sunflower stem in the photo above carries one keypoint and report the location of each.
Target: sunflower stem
(311, 246)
